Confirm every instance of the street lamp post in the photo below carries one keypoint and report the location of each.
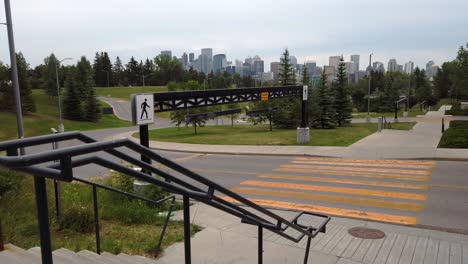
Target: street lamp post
(61, 127)
(406, 113)
(14, 72)
(368, 119)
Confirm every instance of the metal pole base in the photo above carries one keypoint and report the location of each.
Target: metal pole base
(188, 257)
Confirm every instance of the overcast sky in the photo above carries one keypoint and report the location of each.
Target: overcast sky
(312, 30)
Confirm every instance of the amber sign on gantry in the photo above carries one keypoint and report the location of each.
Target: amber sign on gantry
(264, 96)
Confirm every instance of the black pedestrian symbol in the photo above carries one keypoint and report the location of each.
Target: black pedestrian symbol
(144, 105)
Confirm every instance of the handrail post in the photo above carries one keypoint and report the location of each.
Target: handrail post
(306, 257)
(96, 221)
(43, 219)
(443, 125)
(260, 244)
(1, 237)
(186, 201)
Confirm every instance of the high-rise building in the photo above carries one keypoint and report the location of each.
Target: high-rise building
(355, 60)
(349, 66)
(378, 66)
(318, 71)
(259, 66)
(392, 65)
(207, 60)
(219, 62)
(167, 52)
(311, 66)
(399, 68)
(191, 57)
(334, 61)
(185, 61)
(409, 67)
(330, 72)
(293, 61)
(431, 69)
(274, 68)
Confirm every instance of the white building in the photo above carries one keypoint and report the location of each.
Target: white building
(392, 65)
(206, 60)
(334, 61)
(409, 67)
(355, 60)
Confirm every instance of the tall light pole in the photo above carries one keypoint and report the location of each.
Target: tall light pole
(57, 63)
(409, 93)
(14, 72)
(368, 119)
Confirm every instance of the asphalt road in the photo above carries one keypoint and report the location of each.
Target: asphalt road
(419, 193)
(430, 194)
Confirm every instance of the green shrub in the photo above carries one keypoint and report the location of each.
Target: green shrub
(459, 124)
(122, 182)
(9, 180)
(78, 219)
(457, 111)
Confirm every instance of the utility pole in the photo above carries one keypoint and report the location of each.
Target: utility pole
(408, 97)
(57, 63)
(368, 119)
(14, 73)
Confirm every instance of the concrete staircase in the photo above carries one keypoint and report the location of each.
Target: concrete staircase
(15, 255)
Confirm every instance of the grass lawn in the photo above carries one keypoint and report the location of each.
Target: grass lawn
(412, 113)
(128, 226)
(47, 116)
(260, 135)
(123, 92)
(456, 136)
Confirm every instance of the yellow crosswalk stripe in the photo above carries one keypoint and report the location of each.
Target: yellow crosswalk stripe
(412, 172)
(345, 181)
(416, 162)
(365, 192)
(358, 174)
(359, 164)
(388, 218)
(359, 201)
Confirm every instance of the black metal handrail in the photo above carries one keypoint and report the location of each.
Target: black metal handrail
(64, 171)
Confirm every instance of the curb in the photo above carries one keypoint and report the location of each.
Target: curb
(294, 155)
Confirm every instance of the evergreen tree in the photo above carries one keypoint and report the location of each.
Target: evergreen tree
(48, 79)
(93, 112)
(72, 107)
(305, 76)
(7, 101)
(118, 76)
(27, 101)
(342, 103)
(133, 72)
(102, 68)
(97, 71)
(326, 111)
(390, 95)
(421, 85)
(84, 78)
(442, 81)
(289, 113)
(286, 73)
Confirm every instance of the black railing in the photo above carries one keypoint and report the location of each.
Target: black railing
(71, 157)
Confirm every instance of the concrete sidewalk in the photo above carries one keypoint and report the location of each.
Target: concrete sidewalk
(226, 240)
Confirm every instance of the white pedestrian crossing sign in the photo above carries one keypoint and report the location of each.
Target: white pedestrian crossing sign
(142, 109)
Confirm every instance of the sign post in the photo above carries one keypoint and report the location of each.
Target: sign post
(142, 116)
(303, 133)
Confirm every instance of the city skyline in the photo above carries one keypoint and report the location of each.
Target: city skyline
(400, 29)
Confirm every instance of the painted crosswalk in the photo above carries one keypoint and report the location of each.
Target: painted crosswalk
(381, 190)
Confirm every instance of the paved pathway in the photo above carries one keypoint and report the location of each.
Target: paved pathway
(226, 240)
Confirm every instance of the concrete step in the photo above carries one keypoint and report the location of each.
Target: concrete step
(97, 258)
(16, 255)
